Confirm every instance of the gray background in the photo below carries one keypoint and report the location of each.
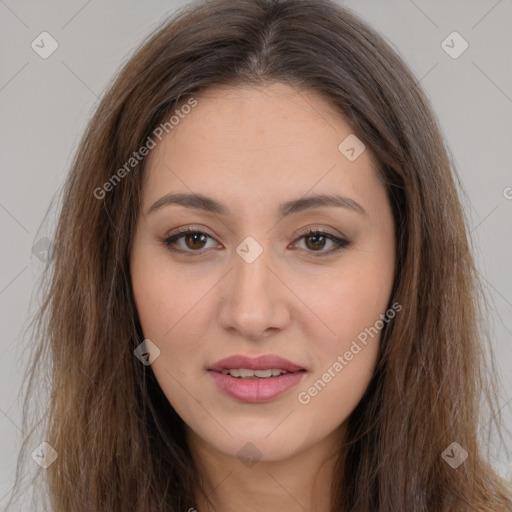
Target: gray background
(46, 103)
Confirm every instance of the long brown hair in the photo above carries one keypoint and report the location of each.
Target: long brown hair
(120, 444)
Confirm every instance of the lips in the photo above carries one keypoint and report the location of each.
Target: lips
(255, 390)
(264, 362)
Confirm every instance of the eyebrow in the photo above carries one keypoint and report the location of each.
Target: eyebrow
(208, 204)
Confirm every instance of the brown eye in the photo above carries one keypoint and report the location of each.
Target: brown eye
(315, 241)
(192, 242)
(195, 240)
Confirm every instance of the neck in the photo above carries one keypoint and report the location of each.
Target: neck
(300, 482)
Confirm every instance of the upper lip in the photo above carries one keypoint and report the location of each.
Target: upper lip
(264, 362)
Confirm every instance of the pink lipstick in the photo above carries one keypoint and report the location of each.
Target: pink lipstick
(255, 380)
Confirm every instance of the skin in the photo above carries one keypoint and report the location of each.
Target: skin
(253, 147)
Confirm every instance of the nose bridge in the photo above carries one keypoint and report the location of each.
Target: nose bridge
(252, 301)
(250, 280)
(251, 277)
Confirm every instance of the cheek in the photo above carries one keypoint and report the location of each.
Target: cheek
(331, 395)
(170, 311)
(167, 300)
(346, 360)
(354, 301)
(351, 307)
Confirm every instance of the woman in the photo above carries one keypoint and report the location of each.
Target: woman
(261, 292)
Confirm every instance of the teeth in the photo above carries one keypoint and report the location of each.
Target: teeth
(245, 373)
(263, 373)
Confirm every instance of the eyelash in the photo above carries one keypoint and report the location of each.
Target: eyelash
(340, 242)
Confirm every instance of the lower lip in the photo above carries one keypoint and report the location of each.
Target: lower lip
(256, 390)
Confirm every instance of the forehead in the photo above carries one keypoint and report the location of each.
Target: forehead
(261, 142)
(259, 118)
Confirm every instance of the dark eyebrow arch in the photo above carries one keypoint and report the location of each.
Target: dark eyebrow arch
(208, 204)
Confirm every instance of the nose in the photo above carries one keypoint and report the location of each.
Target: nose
(254, 300)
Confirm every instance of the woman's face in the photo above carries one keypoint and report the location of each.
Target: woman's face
(268, 164)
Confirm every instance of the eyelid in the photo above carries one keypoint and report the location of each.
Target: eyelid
(175, 235)
(318, 229)
(340, 241)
